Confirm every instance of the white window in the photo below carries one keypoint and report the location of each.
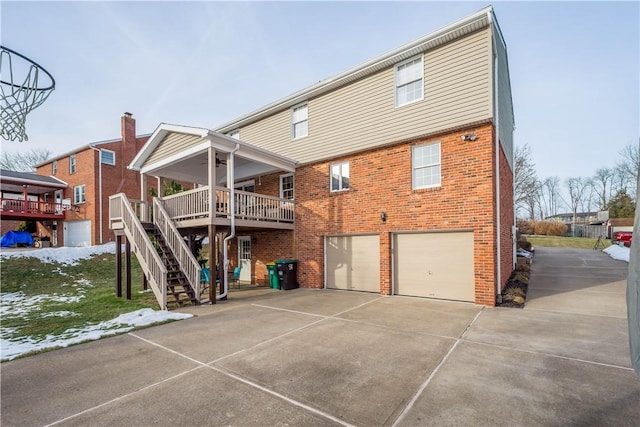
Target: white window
(340, 176)
(72, 163)
(108, 157)
(78, 194)
(299, 121)
(425, 160)
(235, 134)
(54, 167)
(286, 186)
(409, 77)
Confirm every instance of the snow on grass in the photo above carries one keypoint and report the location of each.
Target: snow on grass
(10, 349)
(618, 252)
(62, 255)
(18, 304)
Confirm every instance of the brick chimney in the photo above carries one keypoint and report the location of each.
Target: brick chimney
(128, 126)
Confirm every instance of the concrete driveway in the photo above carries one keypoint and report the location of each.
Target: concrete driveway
(313, 357)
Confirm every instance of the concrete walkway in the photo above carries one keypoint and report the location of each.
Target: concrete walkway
(312, 357)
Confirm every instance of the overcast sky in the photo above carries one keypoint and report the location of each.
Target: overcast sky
(574, 65)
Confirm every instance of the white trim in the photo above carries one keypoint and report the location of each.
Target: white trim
(235, 134)
(84, 194)
(413, 168)
(292, 189)
(54, 167)
(293, 123)
(395, 81)
(73, 165)
(331, 165)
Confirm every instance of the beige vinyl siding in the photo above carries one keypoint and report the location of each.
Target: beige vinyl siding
(361, 115)
(172, 144)
(505, 106)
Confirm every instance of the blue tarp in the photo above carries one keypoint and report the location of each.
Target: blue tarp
(14, 238)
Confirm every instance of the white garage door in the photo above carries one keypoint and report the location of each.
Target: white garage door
(77, 233)
(353, 263)
(435, 265)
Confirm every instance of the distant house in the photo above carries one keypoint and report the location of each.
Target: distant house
(91, 173)
(582, 218)
(394, 177)
(619, 224)
(31, 197)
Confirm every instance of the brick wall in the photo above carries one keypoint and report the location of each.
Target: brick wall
(506, 219)
(381, 182)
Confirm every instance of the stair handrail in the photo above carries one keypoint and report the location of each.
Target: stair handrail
(187, 262)
(150, 262)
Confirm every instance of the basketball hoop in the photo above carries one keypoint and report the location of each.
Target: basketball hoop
(20, 92)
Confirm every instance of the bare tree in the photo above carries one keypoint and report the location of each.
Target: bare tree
(602, 183)
(550, 196)
(576, 188)
(525, 180)
(628, 167)
(24, 162)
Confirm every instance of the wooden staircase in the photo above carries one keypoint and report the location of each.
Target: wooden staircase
(179, 290)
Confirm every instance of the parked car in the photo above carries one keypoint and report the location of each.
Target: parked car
(623, 237)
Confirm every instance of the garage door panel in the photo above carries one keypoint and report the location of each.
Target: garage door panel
(77, 233)
(353, 263)
(435, 265)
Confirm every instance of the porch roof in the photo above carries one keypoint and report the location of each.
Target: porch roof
(13, 182)
(181, 152)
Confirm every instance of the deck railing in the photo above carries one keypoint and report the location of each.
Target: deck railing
(194, 204)
(120, 211)
(188, 263)
(32, 206)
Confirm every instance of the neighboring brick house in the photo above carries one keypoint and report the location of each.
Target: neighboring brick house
(92, 173)
(401, 171)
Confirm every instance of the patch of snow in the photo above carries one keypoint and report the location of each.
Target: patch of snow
(64, 313)
(18, 304)
(62, 255)
(618, 252)
(10, 349)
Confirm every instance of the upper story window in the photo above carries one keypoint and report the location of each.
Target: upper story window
(425, 161)
(108, 157)
(54, 167)
(72, 163)
(235, 134)
(286, 186)
(340, 176)
(300, 121)
(79, 194)
(409, 81)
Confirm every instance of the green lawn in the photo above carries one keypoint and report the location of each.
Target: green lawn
(566, 242)
(38, 299)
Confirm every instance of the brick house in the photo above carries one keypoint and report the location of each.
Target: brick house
(92, 173)
(394, 177)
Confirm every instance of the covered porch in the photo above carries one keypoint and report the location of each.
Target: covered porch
(30, 197)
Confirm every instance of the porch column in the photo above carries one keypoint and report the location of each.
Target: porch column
(211, 182)
(25, 194)
(119, 266)
(143, 197)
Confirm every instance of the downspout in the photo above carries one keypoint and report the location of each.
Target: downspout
(99, 150)
(232, 210)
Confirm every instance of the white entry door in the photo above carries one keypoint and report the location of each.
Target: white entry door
(244, 258)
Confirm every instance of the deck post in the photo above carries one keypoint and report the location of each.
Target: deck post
(119, 266)
(127, 258)
(211, 181)
(145, 284)
(143, 197)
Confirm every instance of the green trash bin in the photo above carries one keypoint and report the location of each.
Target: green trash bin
(273, 275)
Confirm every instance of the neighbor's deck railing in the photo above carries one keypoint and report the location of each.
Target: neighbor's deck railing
(121, 211)
(194, 204)
(188, 263)
(32, 206)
